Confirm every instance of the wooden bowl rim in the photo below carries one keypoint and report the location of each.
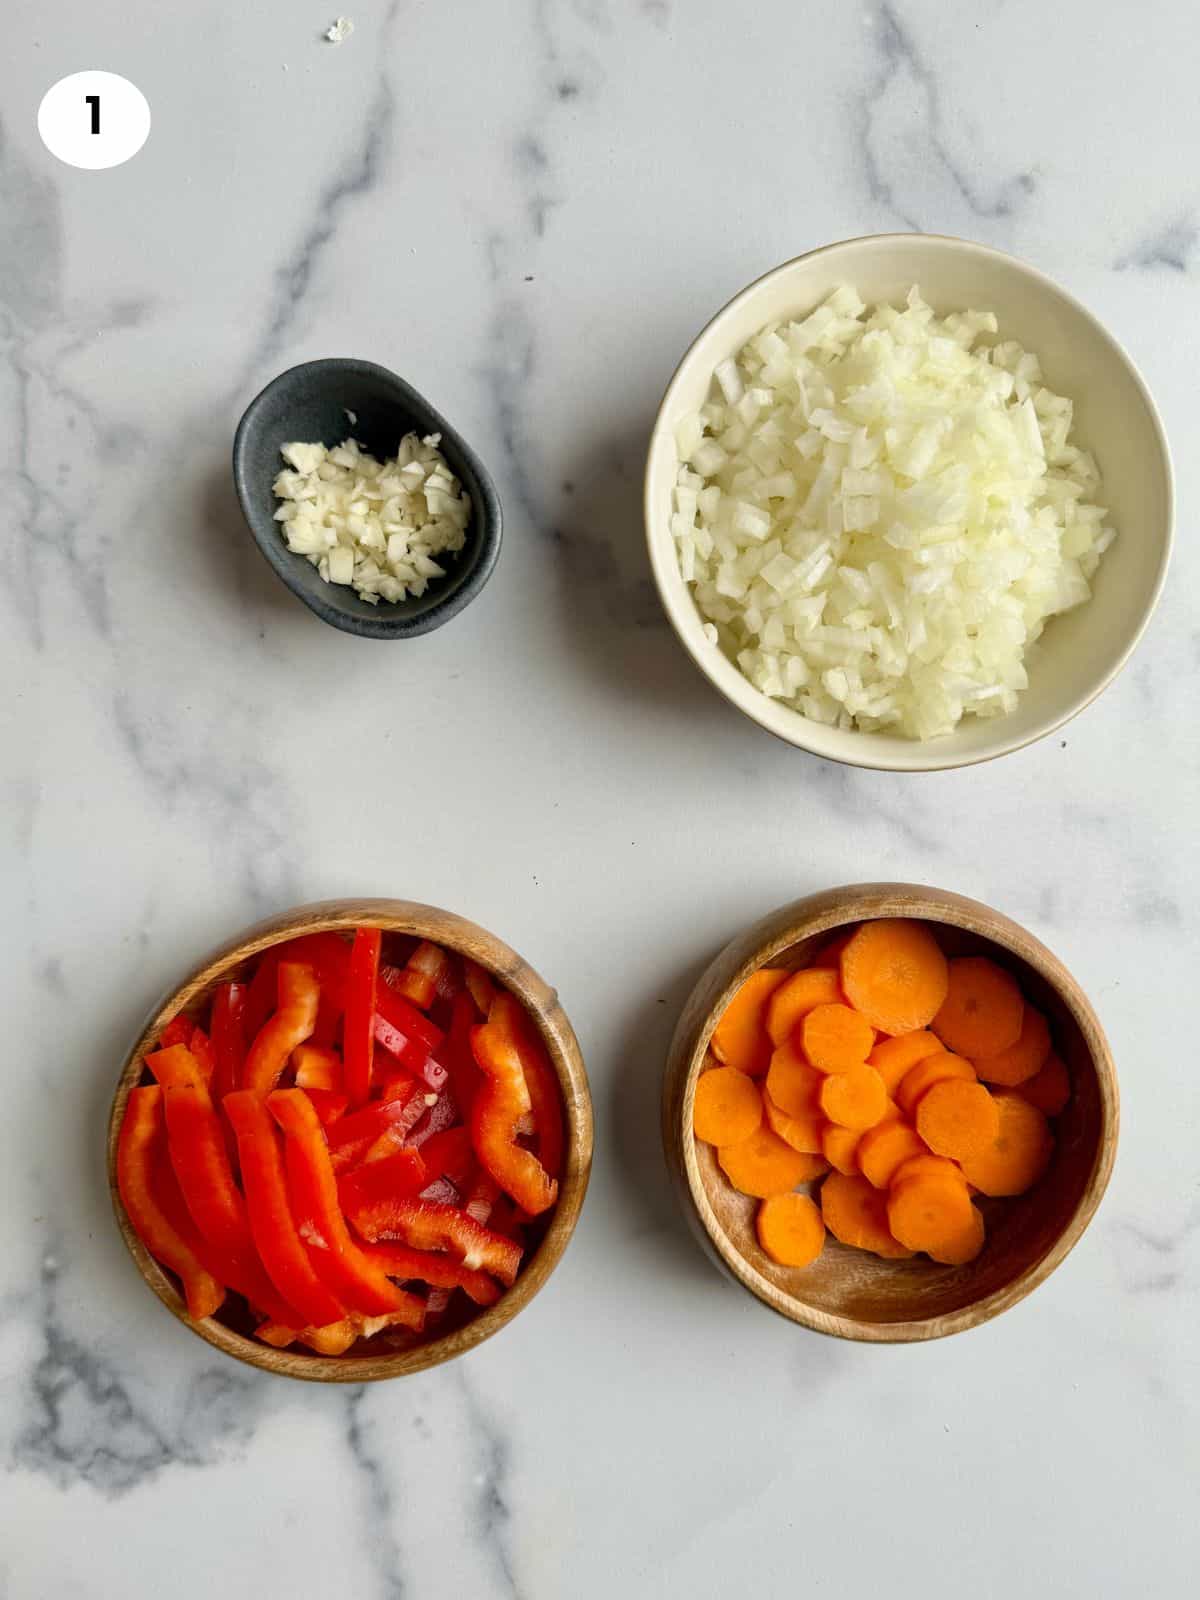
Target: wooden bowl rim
(542, 1003)
(824, 912)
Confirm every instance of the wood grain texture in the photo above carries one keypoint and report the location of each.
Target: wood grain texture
(850, 1293)
(541, 1001)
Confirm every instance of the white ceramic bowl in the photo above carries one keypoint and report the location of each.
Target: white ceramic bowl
(1081, 652)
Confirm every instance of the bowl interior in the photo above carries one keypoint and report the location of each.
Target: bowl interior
(392, 1352)
(845, 1283)
(313, 403)
(1114, 417)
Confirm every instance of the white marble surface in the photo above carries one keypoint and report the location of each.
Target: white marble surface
(528, 209)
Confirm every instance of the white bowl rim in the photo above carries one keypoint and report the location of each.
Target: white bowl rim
(741, 693)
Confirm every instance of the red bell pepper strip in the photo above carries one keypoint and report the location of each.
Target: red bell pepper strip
(442, 1114)
(480, 986)
(292, 1024)
(201, 1164)
(317, 1067)
(434, 1227)
(545, 1097)
(449, 1154)
(328, 954)
(355, 1134)
(465, 1077)
(412, 1056)
(390, 1001)
(398, 1176)
(425, 970)
(201, 1047)
(228, 1038)
(358, 1039)
(501, 1104)
(435, 1268)
(313, 1192)
(278, 1243)
(177, 1031)
(143, 1140)
(330, 1106)
(175, 1064)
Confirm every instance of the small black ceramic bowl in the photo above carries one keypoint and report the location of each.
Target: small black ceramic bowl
(310, 403)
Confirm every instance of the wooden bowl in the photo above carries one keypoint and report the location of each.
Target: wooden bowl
(849, 1292)
(456, 933)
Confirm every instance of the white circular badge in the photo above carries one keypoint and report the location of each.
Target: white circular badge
(94, 119)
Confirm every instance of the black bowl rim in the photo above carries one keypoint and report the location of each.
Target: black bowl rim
(285, 563)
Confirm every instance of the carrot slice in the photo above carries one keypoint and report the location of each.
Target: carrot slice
(856, 1214)
(802, 1132)
(957, 1249)
(1049, 1089)
(892, 1058)
(1021, 1060)
(884, 1147)
(830, 954)
(927, 1166)
(957, 1119)
(982, 1012)
(1018, 1155)
(728, 1106)
(928, 1213)
(763, 1165)
(894, 972)
(790, 1229)
(835, 1037)
(741, 1039)
(855, 1099)
(925, 1074)
(793, 1000)
(791, 1082)
(839, 1146)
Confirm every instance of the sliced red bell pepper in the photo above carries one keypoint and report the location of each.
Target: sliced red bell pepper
(313, 1192)
(480, 986)
(228, 1038)
(201, 1164)
(328, 954)
(177, 1031)
(352, 1136)
(413, 1057)
(398, 1176)
(545, 1097)
(201, 1047)
(358, 1039)
(317, 1067)
(433, 1227)
(449, 1154)
(330, 1106)
(465, 1077)
(426, 968)
(392, 1003)
(278, 1243)
(292, 1024)
(442, 1114)
(501, 1104)
(435, 1268)
(142, 1142)
(175, 1064)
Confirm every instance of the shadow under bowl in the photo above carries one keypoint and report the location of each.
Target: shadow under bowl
(313, 402)
(851, 1293)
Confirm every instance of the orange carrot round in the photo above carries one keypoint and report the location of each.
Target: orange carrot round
(740, 1039)
(839, 1146)
(894, 973)
(793, 1000)
(957, 1119)
(892, 1058)
(983, 1009)
(836, 1038)
(930, 1070)
(856, 1214)
(790, 1229)
(1049, 1089)
(1018, 1155)
(728, 1106)
(791, 1082)
(928, 1213)
(927, 1165)
(956, 1250)
(1021, 1060)
(854, 1099)
(882, 1149)
(763, 1165)
(802, 1131)
(830, 954)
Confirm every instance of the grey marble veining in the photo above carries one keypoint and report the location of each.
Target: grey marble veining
(529, 208)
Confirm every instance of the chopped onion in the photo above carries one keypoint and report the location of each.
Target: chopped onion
(879, 510)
